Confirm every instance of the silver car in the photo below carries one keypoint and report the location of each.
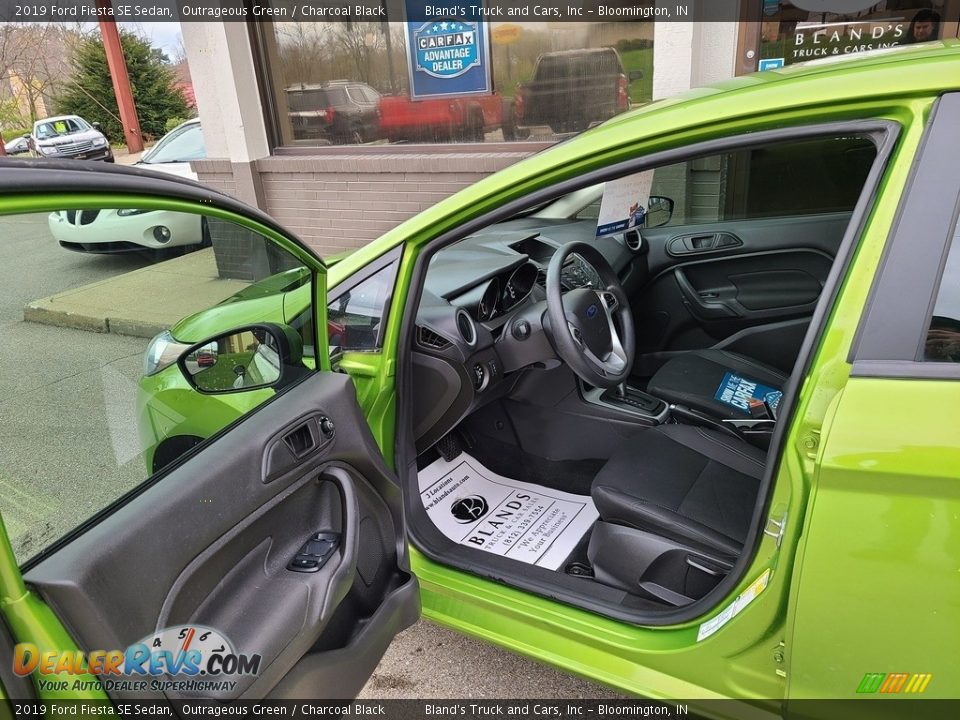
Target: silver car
(69, 136)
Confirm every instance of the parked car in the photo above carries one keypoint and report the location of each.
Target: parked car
(174, 152)
(111, 231)
(157, 232)
(17, 146)
(573, 89)
(69, 136)
(464, 119)
(339, 111)
(707, 458)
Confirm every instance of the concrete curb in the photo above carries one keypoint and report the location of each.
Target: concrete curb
(39, 312)
(150, 299)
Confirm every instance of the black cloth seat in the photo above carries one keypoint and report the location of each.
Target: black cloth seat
(685, 483)
(694, 379)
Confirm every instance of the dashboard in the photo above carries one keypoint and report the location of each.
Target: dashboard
(474, 293)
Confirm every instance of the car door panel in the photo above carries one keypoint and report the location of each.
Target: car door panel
(748, 285)
(209, 543)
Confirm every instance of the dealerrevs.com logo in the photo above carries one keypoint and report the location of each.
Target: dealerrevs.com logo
(184, 658)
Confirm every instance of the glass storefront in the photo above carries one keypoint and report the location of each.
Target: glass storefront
(450, 81)
(795, 31)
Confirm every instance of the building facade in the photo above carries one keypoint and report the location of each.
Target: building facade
(337, 131)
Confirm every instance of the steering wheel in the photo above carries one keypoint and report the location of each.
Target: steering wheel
(582, 321)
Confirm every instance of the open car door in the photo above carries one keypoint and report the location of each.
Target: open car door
(269, 562)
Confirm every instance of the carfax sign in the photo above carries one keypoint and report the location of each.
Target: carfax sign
(447, 54)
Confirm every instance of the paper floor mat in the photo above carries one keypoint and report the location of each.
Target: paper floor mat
(474, 506)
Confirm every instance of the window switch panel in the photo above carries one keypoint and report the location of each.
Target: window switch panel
(315, 552)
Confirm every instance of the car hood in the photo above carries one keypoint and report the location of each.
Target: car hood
(263, 301)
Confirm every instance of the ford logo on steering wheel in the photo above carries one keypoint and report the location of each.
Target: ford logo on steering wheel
(592, 312)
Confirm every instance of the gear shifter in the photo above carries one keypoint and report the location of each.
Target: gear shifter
(624, 396)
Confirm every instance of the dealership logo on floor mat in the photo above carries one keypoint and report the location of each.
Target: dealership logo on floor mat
(469, 509)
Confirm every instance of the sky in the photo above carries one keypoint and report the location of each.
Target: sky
(164, 35)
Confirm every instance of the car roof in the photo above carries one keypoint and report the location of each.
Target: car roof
(925, 69)
(579, 51)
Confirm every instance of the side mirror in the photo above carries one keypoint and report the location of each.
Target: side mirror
(248, 358)
(96, 126)
(659, 211)
(635, 75)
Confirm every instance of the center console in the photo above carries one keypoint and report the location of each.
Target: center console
(630, 401)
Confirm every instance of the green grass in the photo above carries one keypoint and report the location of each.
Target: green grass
(641, 91)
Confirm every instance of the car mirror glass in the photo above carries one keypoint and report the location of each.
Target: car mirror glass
(659, 211)
(245, 359)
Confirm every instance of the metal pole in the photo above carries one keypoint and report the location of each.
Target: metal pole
(121, 81)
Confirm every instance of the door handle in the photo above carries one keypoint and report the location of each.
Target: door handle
(707, 305)
(702, 243)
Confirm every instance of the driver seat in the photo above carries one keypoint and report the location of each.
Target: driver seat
(684, 483)
(698, 379)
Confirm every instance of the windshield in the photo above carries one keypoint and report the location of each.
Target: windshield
(63, 126)
(183, 144)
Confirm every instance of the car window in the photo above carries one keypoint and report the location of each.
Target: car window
(181, 145)
(356, 316)
(943, 335)
(131, 337)
(787, 179)
(337, 96)
(356, 94)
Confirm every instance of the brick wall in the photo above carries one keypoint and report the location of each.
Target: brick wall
(337, 202)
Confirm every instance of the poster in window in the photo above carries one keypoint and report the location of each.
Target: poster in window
(624, 203)
(448, 53)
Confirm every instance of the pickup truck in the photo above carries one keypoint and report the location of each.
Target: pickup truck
(460, 119)
(573, 89)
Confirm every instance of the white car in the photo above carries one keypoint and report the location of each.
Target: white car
(69, 136)
(126, 230)
(17, 146)
(130, 230)
(176, 149)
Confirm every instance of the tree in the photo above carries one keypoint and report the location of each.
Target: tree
(34, 61)
(90, 92)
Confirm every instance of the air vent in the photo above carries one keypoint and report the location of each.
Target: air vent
(429, 339)
(466, 328)
(634, 240)
(542, 278)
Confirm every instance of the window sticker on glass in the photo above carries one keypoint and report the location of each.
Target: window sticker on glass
(625, 203)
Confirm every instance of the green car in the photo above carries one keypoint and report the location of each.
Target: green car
(672, 406)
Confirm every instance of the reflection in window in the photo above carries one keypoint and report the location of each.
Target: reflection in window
(943, 336)
(348, 83)
(791, 34)
(355, 317)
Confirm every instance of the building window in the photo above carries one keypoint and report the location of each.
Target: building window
(795, 31)
(375, 83)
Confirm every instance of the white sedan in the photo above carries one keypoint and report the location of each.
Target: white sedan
(131, 230)
(126, 230)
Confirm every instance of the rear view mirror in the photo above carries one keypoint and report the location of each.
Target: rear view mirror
(635, 75)
(659, 211)
(249, 358)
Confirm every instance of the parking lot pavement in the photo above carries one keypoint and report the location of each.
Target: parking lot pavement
(429, 661)
(85, 416)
